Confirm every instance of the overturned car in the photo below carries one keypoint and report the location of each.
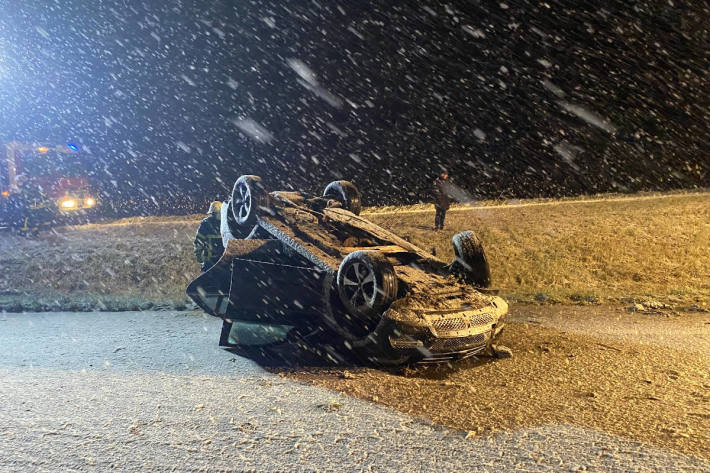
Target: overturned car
(293, 260)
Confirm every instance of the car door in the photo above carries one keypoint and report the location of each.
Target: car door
(273, 284)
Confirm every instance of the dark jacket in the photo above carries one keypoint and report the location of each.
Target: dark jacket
(208, 242)
(442, 199)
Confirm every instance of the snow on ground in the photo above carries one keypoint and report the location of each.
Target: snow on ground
(88, 391)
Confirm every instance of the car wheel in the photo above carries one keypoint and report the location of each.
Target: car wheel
(470, 260)
(346, 193)
(367, 285)
(248, 198)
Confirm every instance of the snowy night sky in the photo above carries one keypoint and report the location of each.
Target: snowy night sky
(513, 98)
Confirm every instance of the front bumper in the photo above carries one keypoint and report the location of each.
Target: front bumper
(449, 335)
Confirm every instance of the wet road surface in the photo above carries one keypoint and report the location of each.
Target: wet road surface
(152, 391)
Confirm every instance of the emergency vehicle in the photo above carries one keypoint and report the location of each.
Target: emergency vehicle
(42, 185)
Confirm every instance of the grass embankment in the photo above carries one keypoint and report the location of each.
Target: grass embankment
(594, 250)
(131, 264)
(603, 250)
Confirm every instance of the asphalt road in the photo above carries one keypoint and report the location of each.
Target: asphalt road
(151, 391)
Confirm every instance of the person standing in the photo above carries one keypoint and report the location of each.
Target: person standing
(442, 200)
(208, 241)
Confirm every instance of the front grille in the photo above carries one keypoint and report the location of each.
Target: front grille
(454, 324)
(449, 325)
(481, 319)
(446, 345)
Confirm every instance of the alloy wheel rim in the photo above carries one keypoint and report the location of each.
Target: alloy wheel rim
(244, 202)
(359, 286)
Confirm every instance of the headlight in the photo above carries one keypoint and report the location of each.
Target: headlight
(89, 202)
(67, 204)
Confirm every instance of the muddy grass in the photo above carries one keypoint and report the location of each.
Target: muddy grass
(650, 393)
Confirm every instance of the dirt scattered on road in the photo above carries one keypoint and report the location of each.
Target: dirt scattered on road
(646, 392)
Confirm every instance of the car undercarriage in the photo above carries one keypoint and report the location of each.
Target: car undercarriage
(300, 261)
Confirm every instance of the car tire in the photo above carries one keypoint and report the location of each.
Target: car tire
(367, 285)
(346, 193)
(470, 260)
(248, 199)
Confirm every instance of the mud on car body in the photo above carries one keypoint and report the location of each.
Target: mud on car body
(293, 260)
